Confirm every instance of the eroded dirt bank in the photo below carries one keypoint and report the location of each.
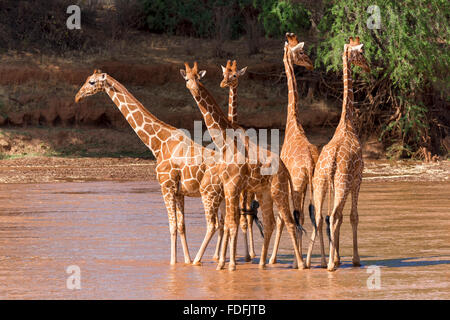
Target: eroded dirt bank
(58, 169)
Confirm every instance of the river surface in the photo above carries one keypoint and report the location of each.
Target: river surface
(117, 234)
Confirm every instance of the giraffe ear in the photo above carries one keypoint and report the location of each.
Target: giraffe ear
(201, 74)
(358, 47)
(183, 73)
(242, 71)
(223, 69)
(298, 46)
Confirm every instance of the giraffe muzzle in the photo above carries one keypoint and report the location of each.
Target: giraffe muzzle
(78, 98)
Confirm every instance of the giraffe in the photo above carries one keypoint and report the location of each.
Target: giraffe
(340, 166)
(184, 168)
(298, 154)
(238, 173)
(231, 80)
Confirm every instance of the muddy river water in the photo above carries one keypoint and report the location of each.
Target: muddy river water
(117, 234)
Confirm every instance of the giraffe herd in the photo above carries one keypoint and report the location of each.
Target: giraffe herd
(230, 178)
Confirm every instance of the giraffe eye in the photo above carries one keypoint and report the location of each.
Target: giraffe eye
(91, 83)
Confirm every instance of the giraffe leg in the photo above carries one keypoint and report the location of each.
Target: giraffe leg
(266, 205)
(319, 195)
(223, 248)
(250, 198)
(211, 216)
(280, 195)
(181, 227)
(337, 258)
(170, 202)
(244, 225)
(298, 201)
(336, 215)
(234, 225)
(354, 219)
(280, 226)
(231, 224)
(220, 224)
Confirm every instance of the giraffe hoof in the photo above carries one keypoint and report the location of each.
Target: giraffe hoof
(262, 267)
(302, 266)
(216, 258)
(323, 265)
(197, 263)
(252, 256)
(220, 266)
(248, 259)
(356, 263)
(273, 261)
(232, 267)
(331, 268)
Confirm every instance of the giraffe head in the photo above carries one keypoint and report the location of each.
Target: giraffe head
(192, 77)
(94, 83)
(355, 54)
(231, 74)
(294, 49)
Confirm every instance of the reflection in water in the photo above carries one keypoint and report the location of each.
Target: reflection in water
(117, 233)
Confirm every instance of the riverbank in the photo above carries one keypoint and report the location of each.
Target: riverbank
(63, 169)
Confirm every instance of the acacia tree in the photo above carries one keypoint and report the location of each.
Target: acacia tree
(409, 55)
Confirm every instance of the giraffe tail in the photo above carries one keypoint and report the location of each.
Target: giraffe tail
(254, 208)
(327, 220)
(311, 208)
(296, 212)
(312, 215)
(297, 221)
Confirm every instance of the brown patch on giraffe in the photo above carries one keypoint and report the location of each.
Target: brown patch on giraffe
(120, 97)
(144, 137)
(131, 122)
(137, 116)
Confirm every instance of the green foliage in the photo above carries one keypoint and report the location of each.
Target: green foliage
(197, 18)
(181, 17)
(410, 50)
(279, 17)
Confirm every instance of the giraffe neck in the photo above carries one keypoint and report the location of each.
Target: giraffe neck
(347, 115)
(149, 128)
(292, 121)
(232, 105)
(215, 119)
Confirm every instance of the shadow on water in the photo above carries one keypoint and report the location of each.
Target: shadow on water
(406, 262)
(391, 263)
